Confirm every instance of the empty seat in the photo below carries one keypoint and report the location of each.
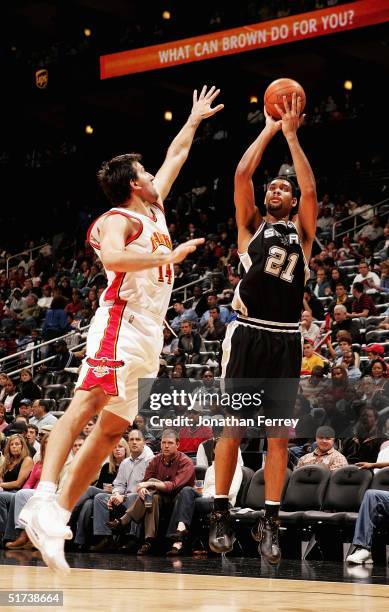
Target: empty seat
(63, 403)
(254, 498)
(55, 391)
(381, 480)
(62, 377)
(212, 345)
(43, 378)
(305, 491)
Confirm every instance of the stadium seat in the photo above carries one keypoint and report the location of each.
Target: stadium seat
(63, 378)
(212, 345)
(43, 378)
(63, 403)
(55, 391)
(344, 496)
(381, 480)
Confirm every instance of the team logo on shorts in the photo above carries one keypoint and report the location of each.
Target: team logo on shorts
(101, 367)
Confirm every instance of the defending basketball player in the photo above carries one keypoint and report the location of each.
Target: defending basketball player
(125, 338)
(265, 342)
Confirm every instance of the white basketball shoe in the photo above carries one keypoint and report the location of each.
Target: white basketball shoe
(45, 523)
(360, 556)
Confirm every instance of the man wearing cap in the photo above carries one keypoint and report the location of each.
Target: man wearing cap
(25, 408)
(182, 314)
(324, 453)
(42, 416)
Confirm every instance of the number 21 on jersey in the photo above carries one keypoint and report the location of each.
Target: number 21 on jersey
(165, 274)
(275, 262)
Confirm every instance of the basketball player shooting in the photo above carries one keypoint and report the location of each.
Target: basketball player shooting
(265, 342)
(125, 338)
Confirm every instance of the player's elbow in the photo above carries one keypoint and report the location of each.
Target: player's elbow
(110, 261)
(242, 173)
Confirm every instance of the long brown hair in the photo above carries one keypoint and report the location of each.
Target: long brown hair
(111, 460)
(8, 459)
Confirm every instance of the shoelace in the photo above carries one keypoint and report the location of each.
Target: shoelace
(220, 519)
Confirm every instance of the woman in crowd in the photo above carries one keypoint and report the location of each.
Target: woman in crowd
(376, 385)
(27, 387)
(3, 422)
(15, 470)
(14, 529)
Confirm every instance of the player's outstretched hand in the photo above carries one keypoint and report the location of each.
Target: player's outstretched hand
(184, 249)
(201, 108)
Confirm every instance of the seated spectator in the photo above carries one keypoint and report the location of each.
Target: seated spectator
(4, 380)
(32, 438)
(89, 427)
(348, 361)
(312, 388)
(325, 453)
(63, 358)
(205, 451)
(131, 473)
(310, 331)
(184, 507)
(341, 322)
(47, 297)
(383, 245)
(189, 343)
(170, 343)
(376, 383)
(310, 358)
(199, 304)
(341, 298)
(374, 351)
(364, 446)
(13, 527)
(344, 346)
(11, 399)
(27, 387)
(382, 460)
(213, 328)
(140, 424)
(322, 287)
(14, 471)
(192, 435)
(313, 304)
(212, 301)
(363, 305)
(369, 279)
(372, 231)
(41, 414)
(182, 314)
(166, 475)
(374, 507)
(76, 303)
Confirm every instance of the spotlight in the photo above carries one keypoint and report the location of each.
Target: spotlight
(168, 116)
(253, 100)
(166, 15)
(87, 32)
(88, 129)
(348, 85)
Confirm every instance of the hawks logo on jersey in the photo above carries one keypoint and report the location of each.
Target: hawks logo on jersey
(159, 239)
(102, 366)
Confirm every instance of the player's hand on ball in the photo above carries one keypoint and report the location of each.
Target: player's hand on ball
(201, 108)
(291, 118)
(184, 249)
(273, 124)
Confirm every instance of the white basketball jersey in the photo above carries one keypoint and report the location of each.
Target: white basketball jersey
(147, 290)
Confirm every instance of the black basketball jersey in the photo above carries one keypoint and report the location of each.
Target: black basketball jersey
(272, 287)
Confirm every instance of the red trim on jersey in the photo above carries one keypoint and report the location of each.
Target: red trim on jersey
(106, 355)
(112, 292)
(109, 213)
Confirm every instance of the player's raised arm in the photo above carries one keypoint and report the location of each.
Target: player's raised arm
(179, 149)
(247, 213)
(114, 234)
(307, 213)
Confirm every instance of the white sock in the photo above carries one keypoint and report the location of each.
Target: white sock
(220, 496)
(46, 488)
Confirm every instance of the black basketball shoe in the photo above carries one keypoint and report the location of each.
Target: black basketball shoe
(267, 535)
(221, 533)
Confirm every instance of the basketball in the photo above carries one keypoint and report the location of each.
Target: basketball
(275, 92)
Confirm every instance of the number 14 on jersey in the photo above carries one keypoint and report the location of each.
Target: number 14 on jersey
(165, 274)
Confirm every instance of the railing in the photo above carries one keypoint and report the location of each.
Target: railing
(28, 354)
(191, 284)
(29, 251)
(356, 226)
